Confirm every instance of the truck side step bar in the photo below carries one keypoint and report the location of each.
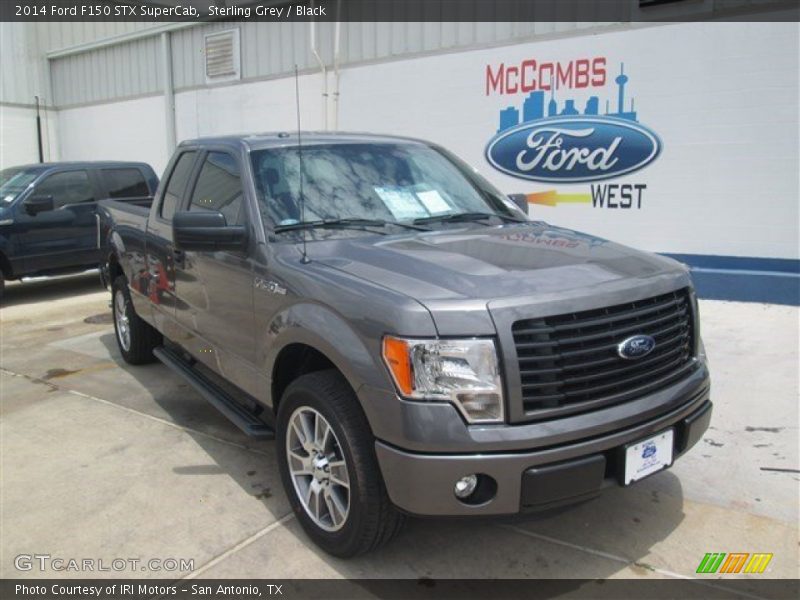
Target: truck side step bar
(238, 414)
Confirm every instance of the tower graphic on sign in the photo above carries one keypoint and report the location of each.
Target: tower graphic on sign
(533, 107)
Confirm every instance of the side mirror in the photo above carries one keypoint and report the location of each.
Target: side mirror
(36, 204)
(206, 231)
(521, 201)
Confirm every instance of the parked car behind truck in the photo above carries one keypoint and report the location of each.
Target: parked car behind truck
(47, 213)
(413, 342)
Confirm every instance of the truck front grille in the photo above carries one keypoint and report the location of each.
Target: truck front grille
(570, 362)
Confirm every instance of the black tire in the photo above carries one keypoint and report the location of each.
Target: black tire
(142, 337)
(372, 520)
(2, 286)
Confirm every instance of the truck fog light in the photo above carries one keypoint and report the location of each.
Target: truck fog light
(465, 486)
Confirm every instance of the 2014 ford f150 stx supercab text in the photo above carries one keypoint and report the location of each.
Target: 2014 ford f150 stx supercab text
(413, 341)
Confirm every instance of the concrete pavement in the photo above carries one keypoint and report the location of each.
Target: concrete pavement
(104, 460)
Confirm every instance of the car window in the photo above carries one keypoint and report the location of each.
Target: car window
(386, 181)
(16, 180)
(125, 183)
(219, 187)
(176, 186)
(70, 187)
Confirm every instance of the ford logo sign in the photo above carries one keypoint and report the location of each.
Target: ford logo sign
(648, 450)
(573, 149)
(636, 347)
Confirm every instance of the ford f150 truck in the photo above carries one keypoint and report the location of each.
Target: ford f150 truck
(47, 213)
(415, 344)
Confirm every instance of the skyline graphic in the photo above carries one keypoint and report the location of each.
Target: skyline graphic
(533, 107)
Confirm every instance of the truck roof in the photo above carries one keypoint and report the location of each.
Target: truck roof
(84, 163)
(276, 139)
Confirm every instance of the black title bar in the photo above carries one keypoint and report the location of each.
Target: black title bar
(170, 11)
(399, 589)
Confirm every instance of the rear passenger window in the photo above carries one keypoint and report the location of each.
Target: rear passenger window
(176, 186)
(125, 183)
(219, 187)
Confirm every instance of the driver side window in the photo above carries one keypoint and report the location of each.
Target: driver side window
(219, 187)
(72, 187)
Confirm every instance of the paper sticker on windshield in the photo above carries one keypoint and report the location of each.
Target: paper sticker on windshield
(402, 203)
(433, 201)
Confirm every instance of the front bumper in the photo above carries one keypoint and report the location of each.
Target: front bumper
(532, 480)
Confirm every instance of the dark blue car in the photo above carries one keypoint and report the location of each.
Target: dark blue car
(47, 213)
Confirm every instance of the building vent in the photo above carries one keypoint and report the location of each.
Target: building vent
(222, 56)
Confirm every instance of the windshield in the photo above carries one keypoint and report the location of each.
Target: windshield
(394, 183)
(14, 181)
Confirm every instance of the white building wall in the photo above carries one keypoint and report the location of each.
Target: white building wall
(722, 97)
(128, 130)
(18, 143)
(249, 108)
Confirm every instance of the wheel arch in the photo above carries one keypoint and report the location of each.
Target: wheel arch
(310, 337)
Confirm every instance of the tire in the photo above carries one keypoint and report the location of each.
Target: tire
(135, 338)
(371, 520)
(2, 286)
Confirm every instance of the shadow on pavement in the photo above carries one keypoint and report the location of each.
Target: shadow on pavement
(50, 289)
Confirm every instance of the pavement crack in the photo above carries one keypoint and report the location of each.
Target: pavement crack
(166, 422)
(243, 544)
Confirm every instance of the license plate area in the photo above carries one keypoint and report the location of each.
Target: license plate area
(647, 456)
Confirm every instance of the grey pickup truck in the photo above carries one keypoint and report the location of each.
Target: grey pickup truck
(415, 343)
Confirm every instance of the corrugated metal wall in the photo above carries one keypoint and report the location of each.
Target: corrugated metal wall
(119, 71)
(20, 72)
(24, 46)
(270, 50)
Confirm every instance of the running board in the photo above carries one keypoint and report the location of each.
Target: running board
(238, 414)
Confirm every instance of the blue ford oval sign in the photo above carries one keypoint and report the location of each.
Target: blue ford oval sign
(573, 149)
(636, 347)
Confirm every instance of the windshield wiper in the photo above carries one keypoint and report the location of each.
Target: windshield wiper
(331, 224)
(344, 224)
(465, 217)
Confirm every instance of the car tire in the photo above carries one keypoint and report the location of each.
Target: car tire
(2, 286)
(135, 338)
(370, 520)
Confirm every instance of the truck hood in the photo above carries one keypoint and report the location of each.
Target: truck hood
(485, 263)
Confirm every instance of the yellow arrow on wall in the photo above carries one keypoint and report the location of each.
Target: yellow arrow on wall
(552, 198)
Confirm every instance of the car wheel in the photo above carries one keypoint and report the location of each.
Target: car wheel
(326, 456)
(135, 338)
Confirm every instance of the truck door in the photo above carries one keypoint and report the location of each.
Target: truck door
(156, 280)
(65, 236)
(215, 289)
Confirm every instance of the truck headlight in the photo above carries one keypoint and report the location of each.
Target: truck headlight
(464, 372)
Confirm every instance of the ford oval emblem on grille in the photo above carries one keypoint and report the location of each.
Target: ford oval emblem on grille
(636, 347)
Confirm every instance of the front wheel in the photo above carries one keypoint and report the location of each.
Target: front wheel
(135, 338)
(329, 469)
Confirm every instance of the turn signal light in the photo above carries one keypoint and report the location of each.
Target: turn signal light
(396, 355)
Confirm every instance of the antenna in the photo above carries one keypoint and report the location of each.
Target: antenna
(305, 259)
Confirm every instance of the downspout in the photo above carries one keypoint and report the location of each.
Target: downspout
(324, 71)
(39, 131)
(169, 92)
(336, 40)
